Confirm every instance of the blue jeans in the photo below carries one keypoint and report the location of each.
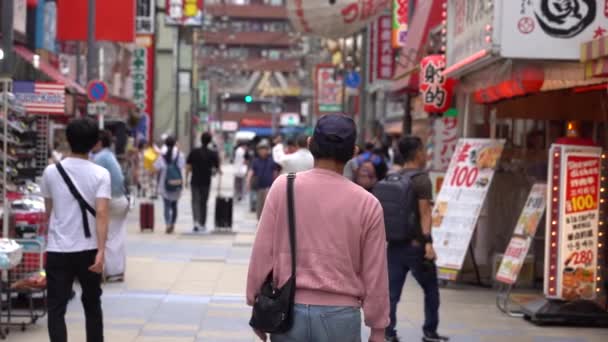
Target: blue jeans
(170, 211)
(314, 323)
(403, 258)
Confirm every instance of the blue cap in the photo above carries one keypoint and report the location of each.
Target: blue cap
(335, 131)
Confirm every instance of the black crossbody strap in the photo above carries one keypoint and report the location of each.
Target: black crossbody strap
(292, 221)
(84, 205)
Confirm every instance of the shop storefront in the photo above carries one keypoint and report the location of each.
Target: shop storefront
(521, 85)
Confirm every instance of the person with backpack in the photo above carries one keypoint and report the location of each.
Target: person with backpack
(171, 183)
(370, 167)
(406, 198)
(77, 195)
(201, 163)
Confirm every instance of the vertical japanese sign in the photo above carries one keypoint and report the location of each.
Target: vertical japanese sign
(386, 60)
(184, 12)
(524, 233)
(572, 233)
(145, 13)
(437, 90)
(445, 139)
(203, 94)
(400, 22)
(142, 72)
(461, 199)
(328, 90)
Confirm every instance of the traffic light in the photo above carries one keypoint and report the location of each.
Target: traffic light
(248, 99)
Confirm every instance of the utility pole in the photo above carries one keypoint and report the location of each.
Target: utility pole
(363, 88)
(7, 70)
(177, 56)
(91, 43)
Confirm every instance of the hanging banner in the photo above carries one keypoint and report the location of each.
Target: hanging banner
(445, 138)
(572, 232)
(400, 22)
(142, 72)
(184, 13)
(41, 97)
(461, 199)
(334, 19)
(437, 90)
(525, 230)
(328, 90)
(385, 58)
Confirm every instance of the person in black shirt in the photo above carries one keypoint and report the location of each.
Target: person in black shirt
(201, 164)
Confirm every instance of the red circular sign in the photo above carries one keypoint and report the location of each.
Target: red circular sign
(526, 25)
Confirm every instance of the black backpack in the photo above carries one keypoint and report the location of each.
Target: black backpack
(400, 204)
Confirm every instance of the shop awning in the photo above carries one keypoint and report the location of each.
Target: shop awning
(427, 15)
(49, 70)
(259, 131)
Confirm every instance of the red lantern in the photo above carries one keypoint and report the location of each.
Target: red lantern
(437, 90)
(523, 81)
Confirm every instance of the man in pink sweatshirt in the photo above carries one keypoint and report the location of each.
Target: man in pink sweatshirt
(341, 264)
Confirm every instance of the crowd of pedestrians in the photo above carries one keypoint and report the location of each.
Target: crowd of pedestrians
(353, 249)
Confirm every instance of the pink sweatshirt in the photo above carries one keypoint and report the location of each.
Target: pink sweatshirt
(341, 248)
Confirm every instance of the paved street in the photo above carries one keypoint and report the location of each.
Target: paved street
(186, 288)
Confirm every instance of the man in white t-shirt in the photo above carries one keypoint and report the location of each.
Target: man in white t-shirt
(240, 167)
(76, 236)
(301, 160)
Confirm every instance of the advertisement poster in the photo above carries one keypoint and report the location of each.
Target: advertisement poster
(524, 233)
(445, 138)
(542, 29)
(572, 251)
(328, 90)
(461, 199)
(142, 73)
(184, 12)
(400, 22)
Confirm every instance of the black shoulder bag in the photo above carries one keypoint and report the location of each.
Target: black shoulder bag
(84, 205)
(273, 307)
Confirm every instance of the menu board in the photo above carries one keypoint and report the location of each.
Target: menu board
(572, 250)
(525, 230)
(461, 199)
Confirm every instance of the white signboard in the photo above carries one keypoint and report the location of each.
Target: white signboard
(572, 231)
(461, 199)
(550, 29)
(525, 230)
(19, 16)
(468, 23)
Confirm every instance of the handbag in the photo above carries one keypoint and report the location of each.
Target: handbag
(273, 308)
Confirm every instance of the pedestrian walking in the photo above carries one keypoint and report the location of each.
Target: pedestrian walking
(410, 245)
(263, 172)
(202, 163)
(170, 181)
(240, 167)
(300, 160)
(340, 246)
(116, 254)
(77, 196)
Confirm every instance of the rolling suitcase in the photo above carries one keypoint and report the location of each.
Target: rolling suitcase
(146, 216)
(223, 209)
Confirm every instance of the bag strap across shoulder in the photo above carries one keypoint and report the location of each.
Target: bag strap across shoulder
(84, 205)
(292, 221)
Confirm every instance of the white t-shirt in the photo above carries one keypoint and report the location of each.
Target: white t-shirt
(66, 229)
(301, 160)
(239, 162)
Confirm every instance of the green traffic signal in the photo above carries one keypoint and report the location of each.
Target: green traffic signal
(248, 99)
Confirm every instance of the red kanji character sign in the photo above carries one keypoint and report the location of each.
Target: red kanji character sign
(437, 90)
